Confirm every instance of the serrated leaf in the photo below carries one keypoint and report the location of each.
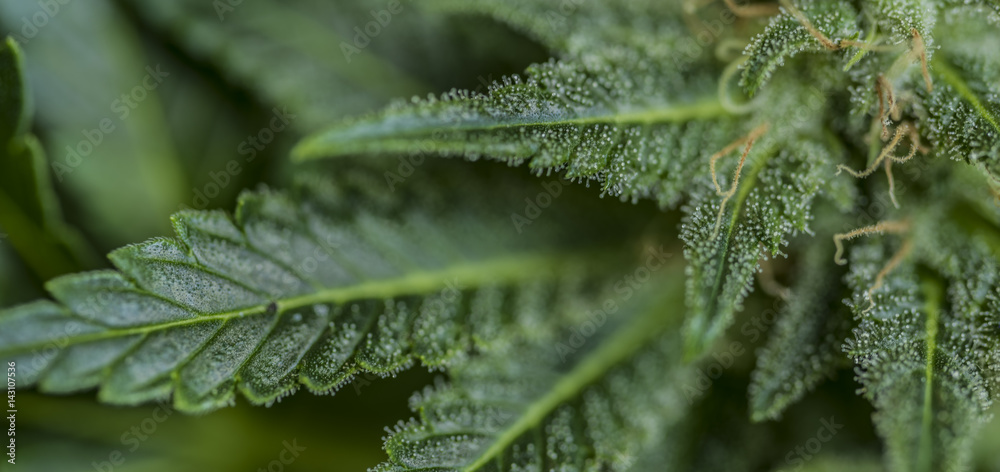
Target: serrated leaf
(309, 288)
(520, 408)
(594, 120)
(773, 202)
(925, 353)
(963, 112)
(805, 346)
(786, 36)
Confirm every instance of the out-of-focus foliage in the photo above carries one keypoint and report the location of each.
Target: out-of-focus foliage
(843, 156)
(310, 288)
(28, 206)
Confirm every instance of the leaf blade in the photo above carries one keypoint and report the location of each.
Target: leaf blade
(180, 298)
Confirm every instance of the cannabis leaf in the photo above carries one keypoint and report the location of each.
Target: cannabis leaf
(804, 144)
(334, 63)
(963, 110)
(521, 408)
(641, 128)
(245, 38)
(925, 345)
(305, 288)
(128, 143)
(616, 111)
(786, 36)
(30, 217)
(805, 347)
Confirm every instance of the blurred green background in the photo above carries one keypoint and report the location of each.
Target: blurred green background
(200, 81)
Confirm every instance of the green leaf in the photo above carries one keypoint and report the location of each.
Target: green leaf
(773, 201)
(526, 407)
(331, 67)
(805, 347)
(926, 351)
(574, 28)
(898, 18)
(309, 288)
(447, 271)
(89, 88)
(595, 121)
(963, 112)
(324, 74)
(786, 36)
(639, 129)
(30, 218)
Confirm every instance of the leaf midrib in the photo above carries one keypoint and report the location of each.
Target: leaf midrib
(952, 78)
(744, 190)
(932, 306)
(468, 275)
(622, 345)
(318, 145)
